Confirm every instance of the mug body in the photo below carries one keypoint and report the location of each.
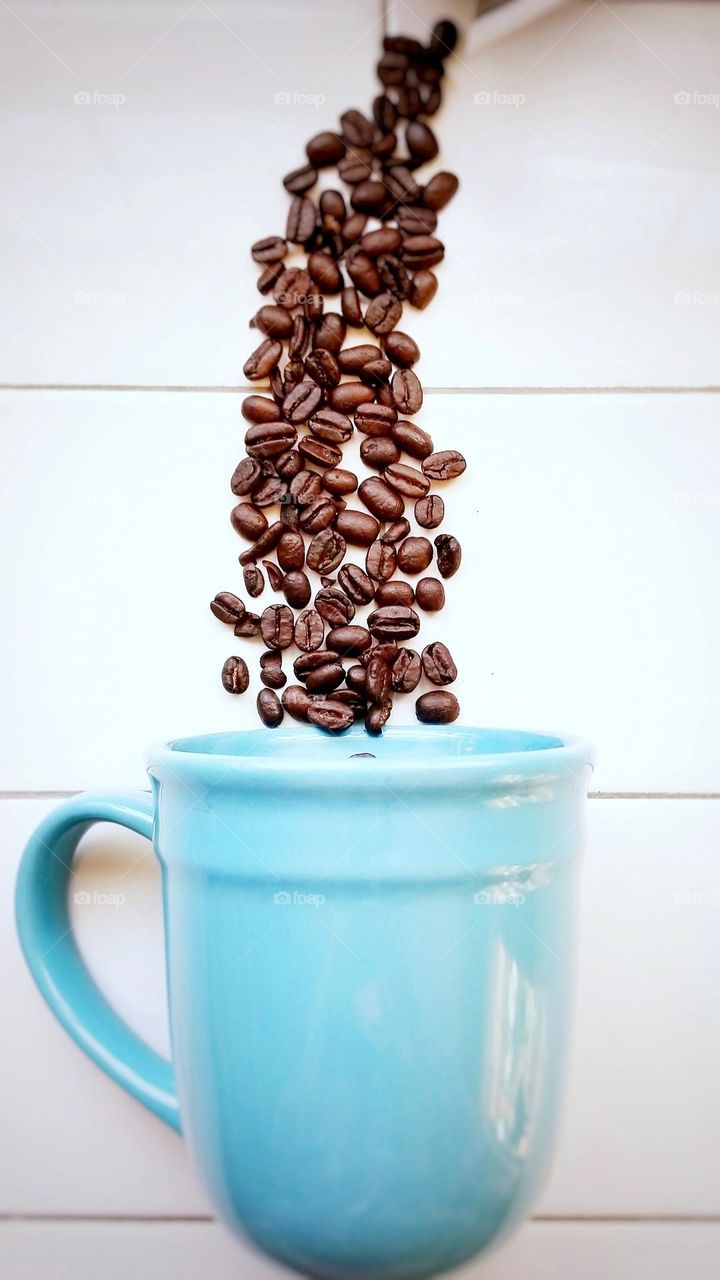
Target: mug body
(369, 952)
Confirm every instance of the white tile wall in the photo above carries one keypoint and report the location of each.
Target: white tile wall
(583, 253)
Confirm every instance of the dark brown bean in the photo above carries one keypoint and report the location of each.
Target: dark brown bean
(351, 309)
(387, 651)
(423, 289)
(430, 511)
(277, 626)
(323, 368)
(443, 38)
(383, 313)
(271, 672)
(430, 594)
(357, 130)
(414, 221)
(421, 141)
(248, 521)
(235, 675)
(340, 482)
(396, 531)
(412, 439)
(302, 402)
(296, 589)
(268, 278)
(270, 708)
(357, 527)
(265, 543)
(376, 371)
(395, 592)
(332, 209)
(407, 391)
(329, 425)
(422, 252)
(330, 715)
(326, 551)
(325, 149)
(349, 640)
(227, 607)
(291, 551)
(300, 180)
(406, 671)
(356, 584)
(384, 113)
(295, 701)
(245, 477)
(401, 185)
(334, 607)
(269, 439)
(408, 481)
(274, 574)
(414, 555)
(369, 196)
(318, 515)
(271, 249)
(348, 396)
(401, 349)
(377, 716)
(247, 626)
(394, 275)
(445, 465)
(263, 359)
(394, 622)
(309, 630)
(325, 679)
(330, 332)
(305, 487)
(292, 288)
(312, 661)
(379, 451)
(260, 409)
(355, 678)
(323, 455)
(440, 190)
(364, 273)
(325, 272)
(270, 489)
(380, 561)
(438, 664)
(254, 580)
(289, 464)
(276, 322)
(380, 499)
(448, 554)
(377, 680)
(440, 706)
(375, 419)
(385, 240)
(353, 359)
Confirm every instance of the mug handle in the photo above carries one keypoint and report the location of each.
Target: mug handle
(47, 940)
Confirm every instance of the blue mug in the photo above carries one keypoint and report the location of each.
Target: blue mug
(369, 953)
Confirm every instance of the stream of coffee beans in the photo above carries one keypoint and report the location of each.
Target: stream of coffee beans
(333, 372)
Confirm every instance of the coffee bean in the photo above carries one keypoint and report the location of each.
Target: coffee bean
(357, 130)
(325, 149)
(265, 543)
(383, 149)
(408, 481)
(357, 527)
(302, 402)
(448, 554)
(320, 514)
(384, 113)
(291, 551)
(406, 671)
(274, 574)
(289, 515)
(380, 561)
(349, 640)
(309, 630)
(277, 625)
(294, 374)
(296, 589)
(269, 277)
(340, 482)
(386, 651)
(270, 708)
(247, 626)
(395, 592)
(356, 584)
(271, 249)
(407, 391)
(369, 196)
(312, 661)
(332, 209)
(355, 167)
(401, 349)
(334, 606)
(295, 700)
(376, 371)
(412, 439)
(263, 359)
(326, 551)
(235, 675)
(445, 465)
(326, 678)
(375, 419)
(396, 531)
(323, 455)
(248, 521)
(421, 142)
(277, 386)
(328, 424)
(383, 313)
(289, 464)
(380, 499)
(379, 451)
(300, 180)
(246, 474)
(300, 337)
(394, 622)
(330, 332)
(440, 190)
(401, 185)
(414, 555)
(430, 511)
(409, 102)
(392, 68)
(349, 396)
(269, 439)
(377, 716)
(292, 288)
(444, 37)
(353, 359)
(385, 240)
(430, 594)
(259, 409)
(326, 273)
(394, 275)
(423, 289)
(227, 607)
(271, 672)
(313, 306)
(422, 252)
(254, 580)
(438, 707)
(415, 221)
(364, 273)
(329, 715)
(351, 309)
(355, 678)
(305, 487)
(431, 96)
(377, 680)
(323, 369)
(276, 322)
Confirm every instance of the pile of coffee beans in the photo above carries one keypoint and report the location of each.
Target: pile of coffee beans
(335, 361)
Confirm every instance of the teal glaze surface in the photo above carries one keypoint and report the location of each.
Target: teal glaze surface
(369, 967)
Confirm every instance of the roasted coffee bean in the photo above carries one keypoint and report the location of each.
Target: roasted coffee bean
(269, 439)
(323, 455)
(416, 221)
(376, 373)
(320, 514)
(396, 531)
(269, 277)
(323, 368)
(392, 68)
(407, 391)
(395, 592)
(364, 274)
(357, 130)
(369, 196)
(312, 661)
(414, 555)
(332, 209)
(384, 113)
(444, 465)
(325, 149)
(330, 715)
(430, 594)
(326, 678)
(440, 190)
(412, 439)
(309, 630)
(357, 527)
(296, 588)
(271, 672)
(402, 185)
(269, 708)
(289, 515)
(394, 622)
(383, 149)
(328, 424)
(296, 700)
(440, 706)
(227, 607)
(423, 289)
(235, 675)
(430, 511)
(387, 651)
(326, 551)
(379, 451)
(380, 561)
(276, 322)
(356, 584)
(277, 386)
(327, 582)
(408, 481)
(326, 273)
(330, 332)
(351, 309)
(349, 640)
(265, 543)
(401, 349)
(383, 313)
(254, 580)
(245, 476)
(375, 419)
(355, 167)
(274, 574)
(292, 288)
(334, 606)
(313, 306)
(353, 228)
(394, 275)
(431, 96)
(348, 396)
(421, 142)
(263, 359)
(448, 554)
(258, 409)
(248, 521)
(305, 487)
(340, 482)
(247, 626)
(353, 359)
(302, 402)
(377, 680)
(277, 625)
(444, 37)
(355, 680)
(406, 671)
(269, 490)
(300, 180)
(271, 249)
(409, 102)
(300, 337)
(380, 499)
(422, 252)
(385, 240)
(377, 716)
(289, 464)
(291, 551)
(294, 373)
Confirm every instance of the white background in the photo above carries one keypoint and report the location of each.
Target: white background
(571, 353)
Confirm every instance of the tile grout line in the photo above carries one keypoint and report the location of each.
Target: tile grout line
(254, 388)
(592, 795)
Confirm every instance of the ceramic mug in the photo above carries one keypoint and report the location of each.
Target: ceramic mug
(369, 950)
